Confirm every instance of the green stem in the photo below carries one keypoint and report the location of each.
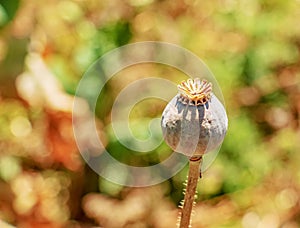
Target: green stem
(190, 192)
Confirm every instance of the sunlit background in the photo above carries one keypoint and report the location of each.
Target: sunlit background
(252, 47)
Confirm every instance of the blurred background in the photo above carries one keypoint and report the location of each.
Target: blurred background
(252, 48)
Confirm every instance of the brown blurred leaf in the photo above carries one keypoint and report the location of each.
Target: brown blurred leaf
(60, 140)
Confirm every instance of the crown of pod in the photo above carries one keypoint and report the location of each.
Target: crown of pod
(195, 91)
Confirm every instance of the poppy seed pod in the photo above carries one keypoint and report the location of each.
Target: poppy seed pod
(194, 122)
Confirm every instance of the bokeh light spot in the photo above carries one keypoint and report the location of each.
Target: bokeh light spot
(20, 126)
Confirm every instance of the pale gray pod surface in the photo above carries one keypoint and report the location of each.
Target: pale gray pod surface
(194, 129)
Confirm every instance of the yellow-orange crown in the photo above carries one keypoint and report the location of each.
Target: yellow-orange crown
(197, 92)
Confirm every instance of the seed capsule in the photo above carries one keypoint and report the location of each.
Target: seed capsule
(194, 122)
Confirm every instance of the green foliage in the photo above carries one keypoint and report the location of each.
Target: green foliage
(8, 9)
(111, 36)
(244, 160)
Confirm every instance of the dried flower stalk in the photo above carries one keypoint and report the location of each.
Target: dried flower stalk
(194, 166)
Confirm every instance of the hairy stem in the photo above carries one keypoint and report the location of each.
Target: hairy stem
(190, 191)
